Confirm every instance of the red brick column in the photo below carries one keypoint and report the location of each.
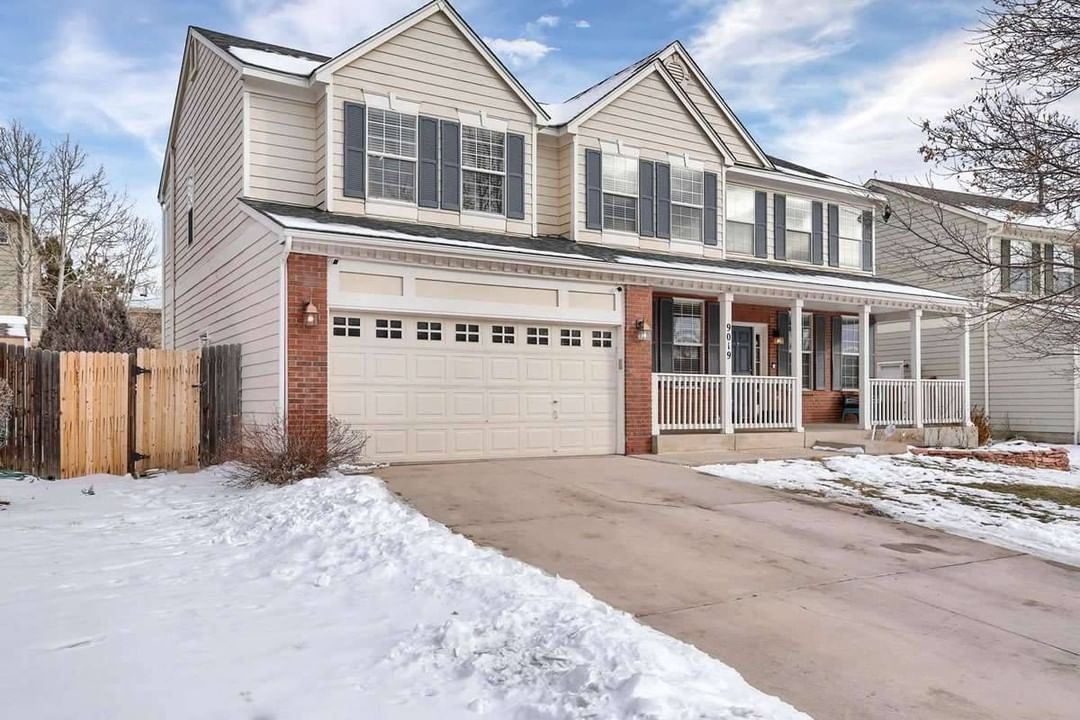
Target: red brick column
(306, 354)
(638, 371)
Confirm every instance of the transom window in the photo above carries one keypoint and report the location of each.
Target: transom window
(601, 338)
(687, 335)
(391, 155)
(388, 329)
(849, 353)
(850, 232)
(798, 229)
(464, 332)
(687, 203)
(570, 338)
(346, 327)
(427, 330)
(483, 169)
(739, 228)
(502, 334)
(620, 187)
(536, 336)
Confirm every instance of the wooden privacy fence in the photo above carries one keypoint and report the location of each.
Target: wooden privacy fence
(78, 413)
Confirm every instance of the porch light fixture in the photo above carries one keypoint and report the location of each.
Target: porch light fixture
(311, 314)
(644, 332)
(777, 338)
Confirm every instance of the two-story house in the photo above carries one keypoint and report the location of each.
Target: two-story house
(989, 249)
(402, 237)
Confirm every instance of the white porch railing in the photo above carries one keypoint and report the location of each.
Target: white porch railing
(763, 402)
(696, 402)
(893, 402)
(943, 402)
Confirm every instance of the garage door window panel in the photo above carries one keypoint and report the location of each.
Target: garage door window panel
(388, 329)
(427, 330)
(502, 334)
(601, 338)
(570, 338)
(346, 327)
(464, 332)
(536, 336)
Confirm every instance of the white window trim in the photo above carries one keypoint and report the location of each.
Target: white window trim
(368, 153)
(700, 207)
(808, 363)
(605, 147)
(700, 345)
(857, 354)
(727, 248)
(486, 214)
(841, 237)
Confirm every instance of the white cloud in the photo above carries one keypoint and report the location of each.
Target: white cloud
(753, 45)
(877, 127)
(582, 24)
(549, 21)
(519, 52)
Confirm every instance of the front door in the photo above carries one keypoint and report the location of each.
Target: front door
(742, 349)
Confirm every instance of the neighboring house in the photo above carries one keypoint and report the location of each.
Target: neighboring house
(1023, 393)
(403, 237)
(17, 324)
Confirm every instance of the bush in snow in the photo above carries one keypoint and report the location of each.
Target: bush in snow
(268, 453)
(981, 421)
(6, 397)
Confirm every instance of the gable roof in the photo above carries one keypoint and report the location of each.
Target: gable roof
(267, 56)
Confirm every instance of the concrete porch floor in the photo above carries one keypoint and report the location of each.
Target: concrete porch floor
(749, 445)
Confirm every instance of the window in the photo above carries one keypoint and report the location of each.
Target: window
(687, 334)
(483, 169)
(3, 234)
(466, 333)
(391, 155)
(346, 327)
(1063, 268)
(502, 334)
(601, 338)
(620, 193)
(190, 225)
(807, 348)
(388, 329)
(427, 330)
(536, 336)
(687, 203)
(1021, 271)
(850, 232)
(739, 236)
(570, 338)
(849, 353)
(798, 229)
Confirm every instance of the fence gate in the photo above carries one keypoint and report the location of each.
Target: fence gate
(166, 404)
(93, 413)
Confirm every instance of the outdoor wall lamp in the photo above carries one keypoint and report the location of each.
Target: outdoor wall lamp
(777, 338)
(311, 314)
(644, 332)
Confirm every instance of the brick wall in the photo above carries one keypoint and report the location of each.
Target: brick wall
(307, 348)
(638, 371)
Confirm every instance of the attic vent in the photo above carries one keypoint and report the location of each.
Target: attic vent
(676, 69)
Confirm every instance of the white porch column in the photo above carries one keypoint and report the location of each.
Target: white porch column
(916, 366)
(965, 366)
(795, 348)
(865, 401)
(725, 361)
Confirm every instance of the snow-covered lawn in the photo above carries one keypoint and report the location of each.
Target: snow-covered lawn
(1036, 511)
(181, 597)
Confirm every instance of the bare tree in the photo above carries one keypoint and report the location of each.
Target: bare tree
(23, 165)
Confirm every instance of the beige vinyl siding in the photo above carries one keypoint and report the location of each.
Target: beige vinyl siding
(320, 152)
(9, 294)
(650, 118)
(167, 239)
(226, 282)
(434, 65)
(724, 127)
(282, 142)
(553, 180)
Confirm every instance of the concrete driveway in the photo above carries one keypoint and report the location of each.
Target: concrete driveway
(844, 615)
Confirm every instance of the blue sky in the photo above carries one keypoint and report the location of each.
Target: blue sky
(838, 85)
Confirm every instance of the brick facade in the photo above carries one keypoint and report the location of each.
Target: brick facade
(306, 356)
(637, 376)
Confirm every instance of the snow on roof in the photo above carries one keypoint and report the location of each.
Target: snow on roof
(13, 326)
(564, 112)
(280, 62)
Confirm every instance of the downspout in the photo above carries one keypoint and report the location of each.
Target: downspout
(283, 324)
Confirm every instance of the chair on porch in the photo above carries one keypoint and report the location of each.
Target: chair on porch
(851, 407)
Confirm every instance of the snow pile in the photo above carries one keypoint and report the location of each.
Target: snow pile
(179, 597)
(290, 64)
(950, 495)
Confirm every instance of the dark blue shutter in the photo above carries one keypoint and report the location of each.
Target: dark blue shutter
(837, 340)
(816, 230)
(1006, 261)
(819, 352)
(663, 200)
(666, 334)
(714, 335)
(354, 150)
(868, 240)
(783, 352)
(450, 165)
(515, 176)
(709, 223)
(779, 226)
(594, 191)
(834, 235)
(761, 211)
(646, 198)
(428, 180)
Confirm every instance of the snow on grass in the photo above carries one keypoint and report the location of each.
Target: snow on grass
(996, 503)
(180, 597)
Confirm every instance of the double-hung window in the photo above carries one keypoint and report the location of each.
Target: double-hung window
(483, 169)
(687, 203)
(739, 228)
(391, 155)
(1022, 266)
(620, 193)
(807, 349)
(798, 229)
(850, 232)
(687, 335)
(1063, 269)
(849, 353)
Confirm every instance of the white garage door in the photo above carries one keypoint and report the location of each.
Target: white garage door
(444, 388)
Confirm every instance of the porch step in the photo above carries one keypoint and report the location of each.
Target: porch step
(839, 439)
